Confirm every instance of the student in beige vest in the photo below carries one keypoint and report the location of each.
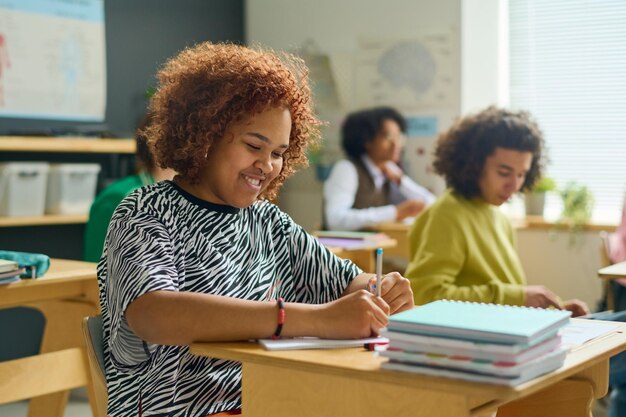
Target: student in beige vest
(369, 187)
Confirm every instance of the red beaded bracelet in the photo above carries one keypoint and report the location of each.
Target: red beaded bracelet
(281, 319)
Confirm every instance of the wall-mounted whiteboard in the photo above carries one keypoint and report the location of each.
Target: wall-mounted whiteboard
(52, 59)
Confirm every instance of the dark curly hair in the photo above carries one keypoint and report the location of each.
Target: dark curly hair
(207, 87)
(461, 151)
(361, 127)
(144, 161)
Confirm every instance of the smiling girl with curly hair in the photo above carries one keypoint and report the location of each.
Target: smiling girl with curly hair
(206, 257)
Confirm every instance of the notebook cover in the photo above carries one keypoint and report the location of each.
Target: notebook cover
(342, 234)
(477, 350)
(480, 322)
(347, 244)
(548, 363)
(297, 343)
(465, 363)
(7, 265)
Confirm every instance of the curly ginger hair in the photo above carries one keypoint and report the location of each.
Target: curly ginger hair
(207, 87)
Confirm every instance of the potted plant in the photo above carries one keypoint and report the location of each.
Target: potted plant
(535, 199)
(318, 158)
(577, 206)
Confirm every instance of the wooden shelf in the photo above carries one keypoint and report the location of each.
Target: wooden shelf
(47, 219)
(66, 144)
(539, 223)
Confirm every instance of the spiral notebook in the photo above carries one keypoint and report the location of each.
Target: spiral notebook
(480, 322)
(476, 350)
(482, 366)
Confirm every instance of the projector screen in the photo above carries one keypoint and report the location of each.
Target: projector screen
(52, 60)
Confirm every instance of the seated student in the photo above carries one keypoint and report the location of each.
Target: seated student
(107, 200)
(369, 187)
(206, 257)
(462, 247)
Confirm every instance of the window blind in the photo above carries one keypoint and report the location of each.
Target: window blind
(568, 68)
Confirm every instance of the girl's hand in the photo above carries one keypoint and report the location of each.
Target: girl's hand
(577, 307)
(392, 172)
(409, 208)
(540, 296)
(355, 315)
(396, 291)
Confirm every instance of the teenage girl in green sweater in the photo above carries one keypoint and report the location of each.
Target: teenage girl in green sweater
(463, 247)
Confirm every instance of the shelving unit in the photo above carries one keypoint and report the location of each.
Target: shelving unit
(70, 145)
(60, 236)
(48, 219)
(540, 223)
(66, 145)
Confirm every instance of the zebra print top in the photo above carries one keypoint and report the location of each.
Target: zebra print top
(162, 238)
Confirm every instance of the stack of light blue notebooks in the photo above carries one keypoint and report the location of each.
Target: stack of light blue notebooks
(491, 343)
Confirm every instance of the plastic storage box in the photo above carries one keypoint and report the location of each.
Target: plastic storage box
(71, 188)
(23, 188)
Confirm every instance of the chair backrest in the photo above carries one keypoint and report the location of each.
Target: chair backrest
(92, 332)
(608, 299)
(605, 249)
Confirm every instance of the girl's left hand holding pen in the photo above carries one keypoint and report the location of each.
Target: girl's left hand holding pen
(395, 290)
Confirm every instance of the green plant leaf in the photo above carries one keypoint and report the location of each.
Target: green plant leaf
(544, 184)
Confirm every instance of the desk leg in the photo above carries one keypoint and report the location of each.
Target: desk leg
(568, 398)
(364, 259)
(269, 391)
(401, 250)
(63, 330)
(571, 397)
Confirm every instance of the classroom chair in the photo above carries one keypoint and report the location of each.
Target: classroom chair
(608, 299)
(92, 332)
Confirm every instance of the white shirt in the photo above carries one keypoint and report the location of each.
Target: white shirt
(340, 192)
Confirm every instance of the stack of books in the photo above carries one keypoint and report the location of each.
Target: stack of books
(10, 271)
(490, 343)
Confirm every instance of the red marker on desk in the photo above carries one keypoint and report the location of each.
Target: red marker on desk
(372, 345)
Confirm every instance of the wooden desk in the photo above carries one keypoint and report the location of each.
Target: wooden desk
(349, 382)
(615, 271)
(67, 293)
(364, 258)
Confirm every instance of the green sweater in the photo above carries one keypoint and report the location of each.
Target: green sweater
(102, 210)
(464, 250)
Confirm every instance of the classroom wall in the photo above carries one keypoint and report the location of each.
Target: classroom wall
(484, 50)
(547, 256)
(140, 36)
(565, 263)
(337, 27)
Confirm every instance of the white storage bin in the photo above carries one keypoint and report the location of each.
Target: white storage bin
(23, 188)
(71, 188)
